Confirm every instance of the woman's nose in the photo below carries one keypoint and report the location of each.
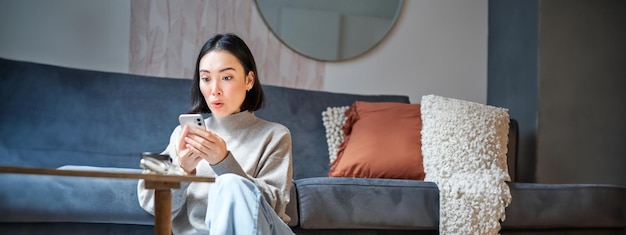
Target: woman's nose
(216, 89)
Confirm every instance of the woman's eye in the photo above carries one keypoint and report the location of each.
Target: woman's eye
(206, 79)
(227, 78)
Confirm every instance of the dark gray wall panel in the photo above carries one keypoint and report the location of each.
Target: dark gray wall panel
(513, 70)
(582, 92)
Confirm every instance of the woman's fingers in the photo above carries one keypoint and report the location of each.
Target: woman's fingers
(188, 161)
(181, 138)
(197, 145)
(206, 144)
(203, 147)
(203, 140)
(208, 135)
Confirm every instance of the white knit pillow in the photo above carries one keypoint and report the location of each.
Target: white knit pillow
(464, 146)
(334, 118)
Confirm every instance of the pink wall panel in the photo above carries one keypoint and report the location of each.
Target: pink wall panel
(166, 36)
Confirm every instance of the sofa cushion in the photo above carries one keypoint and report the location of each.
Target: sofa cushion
(292, 207)
(133, 116)
(381, 140)
(71, 228)
(553, 206)
(353, 203)
(78, 204)
(71, 199)
(334, 118)
(84, 117)
(299, 110)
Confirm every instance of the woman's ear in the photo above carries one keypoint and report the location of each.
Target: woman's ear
(250, 80)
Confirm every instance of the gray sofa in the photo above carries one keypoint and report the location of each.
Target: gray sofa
(59, 117)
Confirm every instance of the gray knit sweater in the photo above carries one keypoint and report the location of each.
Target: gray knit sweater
(259, 150)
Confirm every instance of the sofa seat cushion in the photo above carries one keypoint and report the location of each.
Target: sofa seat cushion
(45, 198)
(554, 206)
(354, 203)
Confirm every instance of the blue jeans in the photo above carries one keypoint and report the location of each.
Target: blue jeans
(236, 206)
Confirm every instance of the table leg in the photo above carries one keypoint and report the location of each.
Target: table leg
(162, 205)
(162, 212)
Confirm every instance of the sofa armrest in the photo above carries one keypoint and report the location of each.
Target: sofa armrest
(511, 154)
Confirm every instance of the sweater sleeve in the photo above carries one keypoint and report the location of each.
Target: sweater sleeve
(274, 173)
(146, 196)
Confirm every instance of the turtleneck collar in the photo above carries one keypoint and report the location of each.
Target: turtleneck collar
(231, 124)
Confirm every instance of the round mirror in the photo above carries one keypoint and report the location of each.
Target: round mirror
(330, 30)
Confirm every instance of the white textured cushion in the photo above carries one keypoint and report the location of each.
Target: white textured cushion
(334, 118)
(464, 145)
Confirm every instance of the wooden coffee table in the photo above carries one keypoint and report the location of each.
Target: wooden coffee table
(162, 184)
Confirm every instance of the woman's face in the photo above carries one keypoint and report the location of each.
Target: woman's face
(223, 82)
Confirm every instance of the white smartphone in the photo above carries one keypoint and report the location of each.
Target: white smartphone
(192, 120)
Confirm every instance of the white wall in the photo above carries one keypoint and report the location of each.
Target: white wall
(87, 34)
(437, 47)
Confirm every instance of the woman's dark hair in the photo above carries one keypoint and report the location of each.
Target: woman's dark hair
(237, 47)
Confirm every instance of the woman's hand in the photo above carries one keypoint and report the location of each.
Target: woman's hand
(186, 158)
(205, 144)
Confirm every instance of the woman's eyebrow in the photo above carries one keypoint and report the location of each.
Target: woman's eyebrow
(228, 68)
(221, 70)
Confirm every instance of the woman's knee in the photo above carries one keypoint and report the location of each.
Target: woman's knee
(233, 181)
(228, 179)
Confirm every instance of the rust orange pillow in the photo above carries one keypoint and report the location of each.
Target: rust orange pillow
(381, 140)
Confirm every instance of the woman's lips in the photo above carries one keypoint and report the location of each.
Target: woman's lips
(217, 104)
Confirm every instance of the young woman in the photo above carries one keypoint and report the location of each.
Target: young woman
(250, 157)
